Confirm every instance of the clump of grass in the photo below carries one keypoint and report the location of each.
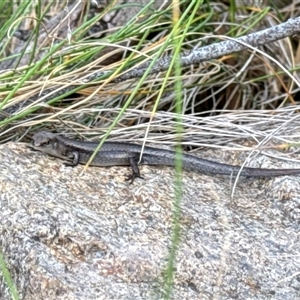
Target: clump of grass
(237, 82)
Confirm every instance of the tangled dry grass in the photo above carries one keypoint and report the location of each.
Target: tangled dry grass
(221, 99)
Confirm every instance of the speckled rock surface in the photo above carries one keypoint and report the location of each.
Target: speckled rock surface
(66, 236)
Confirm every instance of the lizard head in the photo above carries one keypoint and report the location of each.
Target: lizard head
(42, 138)
(48, 142)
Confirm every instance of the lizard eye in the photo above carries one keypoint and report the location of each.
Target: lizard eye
(46, 142)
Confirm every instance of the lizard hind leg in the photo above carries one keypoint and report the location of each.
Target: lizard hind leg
(135, 169)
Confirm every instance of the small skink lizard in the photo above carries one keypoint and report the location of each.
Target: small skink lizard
(127, 154)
